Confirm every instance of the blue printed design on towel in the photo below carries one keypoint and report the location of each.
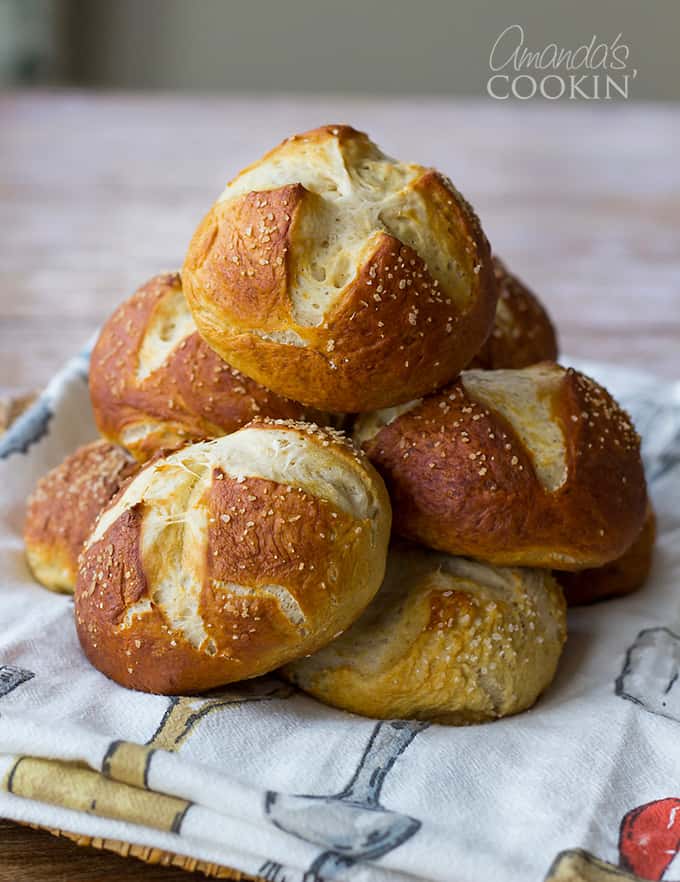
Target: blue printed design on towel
(33, 425)
(30, 427)
(11, 677)
(659, 426)
(352, 825)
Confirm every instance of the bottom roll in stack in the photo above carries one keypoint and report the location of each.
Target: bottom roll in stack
(445, 639)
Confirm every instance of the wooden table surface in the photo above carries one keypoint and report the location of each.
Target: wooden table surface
(28, 855)
(98, 192)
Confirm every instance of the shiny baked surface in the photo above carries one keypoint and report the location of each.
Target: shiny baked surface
(155, 384)
(340, 277)
(531, 467)
(64, 507)
(228, 558)
(446, 639)
(523, 332)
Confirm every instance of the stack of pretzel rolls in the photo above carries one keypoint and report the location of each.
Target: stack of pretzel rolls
(414, 564)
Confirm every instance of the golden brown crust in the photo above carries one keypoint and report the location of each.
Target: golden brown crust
(622, 576)
(446, 640)
(461, 480)
(523, 333)
(64, 506)
(205, 572)
(189, 394)
(390, 332)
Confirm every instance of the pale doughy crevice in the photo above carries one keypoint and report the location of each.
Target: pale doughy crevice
(567, 559)
(132, 495)
(174, 532)
(546, 623)
(354, 193)
(280, 455)
(505, 320)
(477, 576)
(400, 607)
(173, 536)
(288, 338)
(173, 549)
(408, 218)
(367, 645)
(170, 323)
(333, 243)
(286, 601)
(318, 166)
(293, 459)
(137, 432)
(524, 398)
(134, 435)
(135, 611)
(368, 425)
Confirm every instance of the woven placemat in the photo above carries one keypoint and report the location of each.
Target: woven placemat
(10, 409)
(150, 855)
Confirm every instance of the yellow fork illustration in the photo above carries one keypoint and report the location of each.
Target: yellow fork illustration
(121, 789)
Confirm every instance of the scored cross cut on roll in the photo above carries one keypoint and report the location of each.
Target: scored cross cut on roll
(531, 467)
(231, 557)
(155, 384)
(445, 639)
(339, 277)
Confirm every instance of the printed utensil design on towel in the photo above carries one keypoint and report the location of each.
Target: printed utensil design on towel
(129, 762)
(33, 424)
(31, 427)
(352, 825)
(659, 427)
(11, 677)
(650, 672)
(121, 790)
(649, 843)
(184, 712)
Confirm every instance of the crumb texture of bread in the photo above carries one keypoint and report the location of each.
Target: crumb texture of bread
(229, 558)
(155, 384)
(446, 639)
(622, 576)
(340, 277)
(531, 467)
(523, 333)
(63, 508)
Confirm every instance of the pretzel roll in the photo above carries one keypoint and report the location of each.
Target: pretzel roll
(64, 506)
(522, 333)
(340, 277)
(622, 576)
(155, 384)
(533, 467)
(445, 639)
(228, 558)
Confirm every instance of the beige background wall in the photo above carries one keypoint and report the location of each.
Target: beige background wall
(383, 46)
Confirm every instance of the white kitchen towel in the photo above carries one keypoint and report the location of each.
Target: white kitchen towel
(265, 780)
